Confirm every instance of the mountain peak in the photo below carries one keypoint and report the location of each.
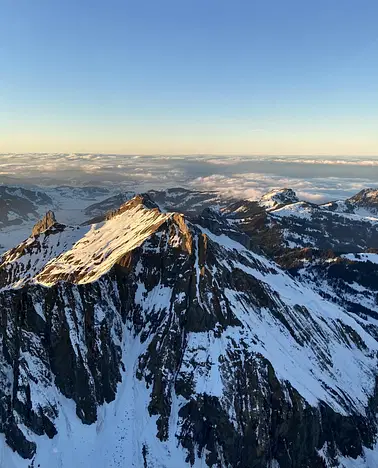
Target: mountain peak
(278, 197)
(365, 197)
(142, 200)
(105, 244)
(45, 223)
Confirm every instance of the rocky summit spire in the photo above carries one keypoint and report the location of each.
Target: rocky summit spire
(45, 223)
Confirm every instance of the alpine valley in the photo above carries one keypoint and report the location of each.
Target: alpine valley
(179, 328)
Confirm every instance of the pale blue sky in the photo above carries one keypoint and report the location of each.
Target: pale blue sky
(198, 76)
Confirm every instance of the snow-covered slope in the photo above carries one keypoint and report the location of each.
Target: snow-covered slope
(189, 202)
(349, 280)
(362, 257)
(339, 224)
(18, 204)
(103, 245)
(21, 264)
(80, 254)
(277, 198)
(278, 224)
(364, 203)
(308, 225)
(150, 340)
(20, 208)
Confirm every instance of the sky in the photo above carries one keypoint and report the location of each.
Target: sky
(180, 77)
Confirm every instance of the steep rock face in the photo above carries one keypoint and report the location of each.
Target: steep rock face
(178, 346)
(54, 340)
(252, 219)
(45, 223)
(219, 225)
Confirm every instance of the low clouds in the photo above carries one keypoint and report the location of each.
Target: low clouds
(314, 179)
(330, 162)
(253, 185)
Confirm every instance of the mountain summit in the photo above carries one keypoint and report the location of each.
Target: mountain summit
(278, 197)
(45, 223)
(367, 198)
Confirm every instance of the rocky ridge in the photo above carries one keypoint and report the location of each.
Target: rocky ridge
(277, 198)
(154, 339)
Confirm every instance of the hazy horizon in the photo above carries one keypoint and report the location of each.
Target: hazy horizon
(314, 179)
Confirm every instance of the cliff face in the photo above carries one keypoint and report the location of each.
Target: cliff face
(153, 341)
(43, 224)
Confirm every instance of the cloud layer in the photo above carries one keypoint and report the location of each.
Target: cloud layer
(314, 179)
(253, 185)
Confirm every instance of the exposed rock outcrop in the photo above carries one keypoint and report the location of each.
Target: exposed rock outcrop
(45, 223)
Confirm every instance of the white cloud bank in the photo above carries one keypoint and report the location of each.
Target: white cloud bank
(253, 185)
(314, 179)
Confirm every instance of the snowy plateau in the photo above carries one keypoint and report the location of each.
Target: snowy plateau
(178, 328)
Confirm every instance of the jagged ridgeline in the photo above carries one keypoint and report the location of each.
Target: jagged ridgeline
(157, 339)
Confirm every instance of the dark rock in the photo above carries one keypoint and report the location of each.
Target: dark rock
(45, 223)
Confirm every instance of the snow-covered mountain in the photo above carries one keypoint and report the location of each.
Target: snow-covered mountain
(186, 201)
(21, 208)
(297, 224)
(154, 338)
(364, 203)
(277, 198)
(348, 225)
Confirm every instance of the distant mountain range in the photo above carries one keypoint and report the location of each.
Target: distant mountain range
(181, 328)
